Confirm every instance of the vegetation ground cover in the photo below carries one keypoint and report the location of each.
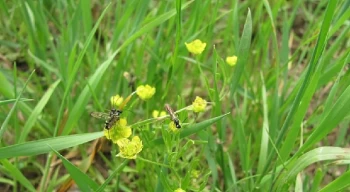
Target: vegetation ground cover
(261, 91)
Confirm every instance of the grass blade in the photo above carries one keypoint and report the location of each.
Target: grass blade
(4, 125)
(17, 174)
(5, 102)
(243, 52)
(37, 111)
(338, 184)
(338, 112)
(84, 182)
(42, 146)
(193, 129)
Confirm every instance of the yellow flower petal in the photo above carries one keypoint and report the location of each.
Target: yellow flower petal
(155, 113)
(199, 104)
(145, 91)
(116, 100)
(162, 114)
(196, 47)
(231, 60)
(172, 127)
(179, 190)
(119, 131)
(129, 149)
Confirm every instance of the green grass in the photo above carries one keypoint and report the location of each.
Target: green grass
(277, 120)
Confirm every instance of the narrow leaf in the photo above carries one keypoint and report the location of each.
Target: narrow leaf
(41, 146)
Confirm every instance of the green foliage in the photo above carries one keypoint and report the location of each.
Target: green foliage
(281, 110)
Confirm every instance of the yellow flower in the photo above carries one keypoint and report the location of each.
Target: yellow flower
(145, 92)
(231, 60)
(172, 127)
(196, 47)
(195, 173)
(156, 114)
(179, 190)
(199, 104)
(116, 100)
(162, 114)
(129, 149)
(119, 131)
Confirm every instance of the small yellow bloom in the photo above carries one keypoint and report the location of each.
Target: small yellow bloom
(156, 113)
(116, 100)
(231, 60)
(129, 149)
(119, 131)
(196, 47)
(199, 104)
(179, 190)
(172, 127)
(195, 174)
(162, 114)
(145, 92)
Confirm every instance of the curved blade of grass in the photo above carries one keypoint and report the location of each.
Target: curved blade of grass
(96, 77)
(84, 182)
(338, 184)
(4, 125)
(4, 102)
(338, 112)
(289, 142)
(37, 111)
(193, 129)
(313, 156)
(320, 45)
(115, 172)
(17, 175)
(265, 130)
(41, 146)
(317, 180)
(243, 52)
(316, 54)
(44, 64)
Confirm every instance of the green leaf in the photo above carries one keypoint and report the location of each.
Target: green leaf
(187, 131)
(69, 124)
(37, 111)
(5, 102)
(320, 45)
(114, 173)
(338, 112)
(4, 125)
(17, 175)
(243, 52)
(42, 146)
(84, 182)
(313, 156)
(338, 184)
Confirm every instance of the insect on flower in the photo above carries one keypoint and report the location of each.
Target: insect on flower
(114, 114)
(173, 116)
(111, 118)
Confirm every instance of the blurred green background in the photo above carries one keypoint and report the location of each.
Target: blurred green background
(288, 95)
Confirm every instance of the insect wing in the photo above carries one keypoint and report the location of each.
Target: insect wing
(99, 115)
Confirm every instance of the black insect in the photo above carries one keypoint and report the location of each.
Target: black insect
(173, 116)
(111, 118)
